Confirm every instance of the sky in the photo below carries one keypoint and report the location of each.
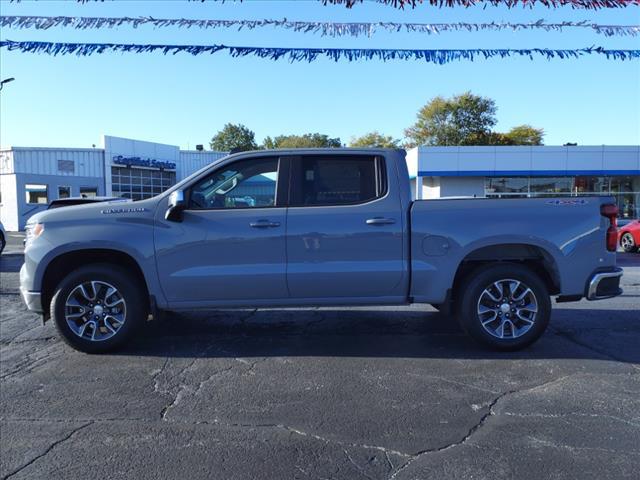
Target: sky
(70, 101)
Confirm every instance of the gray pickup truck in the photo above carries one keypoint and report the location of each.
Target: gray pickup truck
(312, 228)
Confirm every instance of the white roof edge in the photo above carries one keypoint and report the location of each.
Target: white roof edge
(96, 149)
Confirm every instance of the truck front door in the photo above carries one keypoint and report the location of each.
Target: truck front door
(230, 245)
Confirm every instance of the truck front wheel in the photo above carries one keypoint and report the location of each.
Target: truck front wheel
(505, 306)
(97, 308)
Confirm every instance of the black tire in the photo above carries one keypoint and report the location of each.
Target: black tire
(475, 293)
(630, 246)
(135, 302)
(3, 242)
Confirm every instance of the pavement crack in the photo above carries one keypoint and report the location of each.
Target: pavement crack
(474, 428)
(191, 391)
(47, 451)
(358, 467)
(572, 415)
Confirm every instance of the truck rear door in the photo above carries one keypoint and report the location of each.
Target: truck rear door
(344, 229)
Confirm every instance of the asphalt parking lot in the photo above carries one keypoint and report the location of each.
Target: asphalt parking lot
(342, 393)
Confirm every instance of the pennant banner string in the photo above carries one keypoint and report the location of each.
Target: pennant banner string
(331, 29)
(438, 56)
(588, 4)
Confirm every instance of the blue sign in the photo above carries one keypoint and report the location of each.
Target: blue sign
(143, 162)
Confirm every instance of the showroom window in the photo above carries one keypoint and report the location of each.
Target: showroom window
(64, 192)
(507, 186)
(88, 192)
(36, 194)
(625, 189)
(591, 185)
(542, 186)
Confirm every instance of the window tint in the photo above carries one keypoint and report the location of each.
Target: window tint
(243, 184)
(36, 193)
(338, 180)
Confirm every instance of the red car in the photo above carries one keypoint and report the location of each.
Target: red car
(629, 236)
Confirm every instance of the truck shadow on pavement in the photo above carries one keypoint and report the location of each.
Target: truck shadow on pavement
(367, 332)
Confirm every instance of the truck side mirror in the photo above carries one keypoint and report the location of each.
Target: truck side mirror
(176, 206)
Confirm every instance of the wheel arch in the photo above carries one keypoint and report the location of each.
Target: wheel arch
(65, 263)
(534, 257)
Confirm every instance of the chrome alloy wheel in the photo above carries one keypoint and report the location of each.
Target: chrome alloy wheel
(507, 309)
(95, 310)
(626, 242)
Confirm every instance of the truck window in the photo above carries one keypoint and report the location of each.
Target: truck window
(244, 184)
(337, 180)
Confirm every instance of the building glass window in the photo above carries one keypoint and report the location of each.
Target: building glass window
(89, 192)
(36, 193)
(507, 185)
(140, 183)
(625, 189)
(64, 192)
(591, 185)
(542, 186)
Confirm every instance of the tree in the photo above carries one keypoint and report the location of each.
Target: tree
(232, 137)
(374, 140)
(308, 140)
(525, 135)
(465, 119)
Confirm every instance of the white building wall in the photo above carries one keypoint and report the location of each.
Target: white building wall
(45, 161)
(528, 160)
(193, 160)
(430, 187)
(6, 161)
(8, 202)
(26, 210)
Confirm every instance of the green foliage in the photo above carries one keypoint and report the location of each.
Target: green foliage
(308, 140)
(465, 119)
(460, 120)
(374, 140)
(525, 135)
(234, 137)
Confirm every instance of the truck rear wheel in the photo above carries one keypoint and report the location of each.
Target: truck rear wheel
(505, 306)
(98, 308)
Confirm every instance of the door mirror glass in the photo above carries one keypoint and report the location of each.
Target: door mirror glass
(176, 206)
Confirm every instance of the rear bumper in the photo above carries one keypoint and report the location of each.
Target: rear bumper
(604, 285)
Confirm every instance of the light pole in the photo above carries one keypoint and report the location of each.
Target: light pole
(6, 80)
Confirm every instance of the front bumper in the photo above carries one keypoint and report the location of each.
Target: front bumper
(30, 295)
(604, 285)
(32, 300)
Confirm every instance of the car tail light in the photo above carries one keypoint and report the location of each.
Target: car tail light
(611, 212)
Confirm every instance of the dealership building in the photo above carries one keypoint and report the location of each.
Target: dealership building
(30, 178)
(529, 171)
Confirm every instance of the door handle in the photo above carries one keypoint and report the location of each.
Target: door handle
(264, 224)
(380, 221)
